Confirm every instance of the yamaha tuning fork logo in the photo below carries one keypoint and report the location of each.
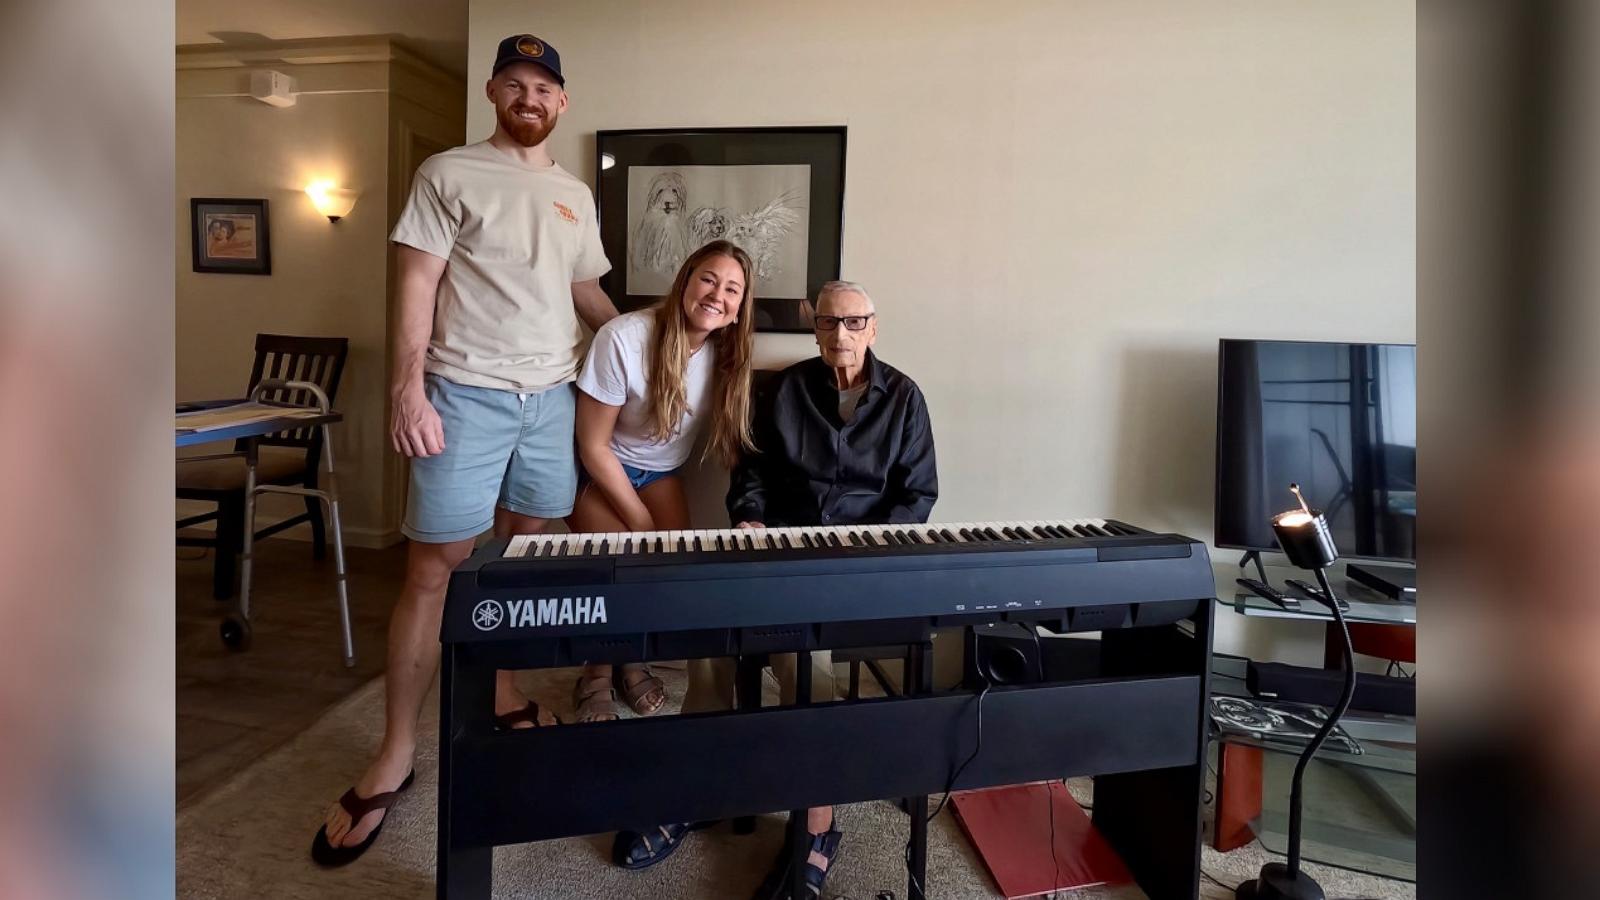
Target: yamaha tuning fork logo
(488, 615)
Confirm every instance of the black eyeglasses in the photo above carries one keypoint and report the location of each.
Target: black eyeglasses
(851, 323)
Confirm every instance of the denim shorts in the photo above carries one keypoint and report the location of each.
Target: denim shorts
(641, 477)
(636, 476)
(501, 448)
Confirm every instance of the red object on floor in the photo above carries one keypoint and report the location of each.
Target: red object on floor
(1238, 795)
(1010, 828)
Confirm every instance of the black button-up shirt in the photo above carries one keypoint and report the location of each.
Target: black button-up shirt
(812, 468)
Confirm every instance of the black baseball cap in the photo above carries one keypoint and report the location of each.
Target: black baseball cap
(527, 48)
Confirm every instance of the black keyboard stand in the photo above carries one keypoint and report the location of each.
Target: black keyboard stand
(1139, 727)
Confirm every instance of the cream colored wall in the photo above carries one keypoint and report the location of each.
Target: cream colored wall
(1059, 207)
(327, 278)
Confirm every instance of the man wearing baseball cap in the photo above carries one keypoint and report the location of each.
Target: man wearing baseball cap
(499, 256)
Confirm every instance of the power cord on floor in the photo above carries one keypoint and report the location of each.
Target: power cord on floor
(950, 786)
(1055, 859)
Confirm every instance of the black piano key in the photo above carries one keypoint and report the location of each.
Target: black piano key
(916, 538)
(783, 542)
(966, 534)
(697, 547)
(948, 536)
(588, 547)
(682, 547)
(904, 536)
(1011, 534)
(1082, 531)
(1117, 529)
(627, 546)
(833, 539)
(853, 538)
(993, 535)
(1065, 532)
(559, 548)
(890, 538)
(812, 541)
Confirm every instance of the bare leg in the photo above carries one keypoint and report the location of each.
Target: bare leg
(412, 662)
(818, 820)
(507, 699)
(669, 509)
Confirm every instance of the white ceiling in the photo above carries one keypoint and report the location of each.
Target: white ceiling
(435, 29)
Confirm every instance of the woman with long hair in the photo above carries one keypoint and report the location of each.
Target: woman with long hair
(655, 378)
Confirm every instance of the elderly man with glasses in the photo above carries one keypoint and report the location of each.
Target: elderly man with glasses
(843, 440)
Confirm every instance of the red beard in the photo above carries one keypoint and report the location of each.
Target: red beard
(528, 134)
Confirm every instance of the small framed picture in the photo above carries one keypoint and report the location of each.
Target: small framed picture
(230, 236)
(778, 193)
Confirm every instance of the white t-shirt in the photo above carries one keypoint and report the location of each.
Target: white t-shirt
(849, 399)
(516, 238)
(617, 374)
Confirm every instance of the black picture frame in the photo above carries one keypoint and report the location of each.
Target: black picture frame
(822, 147)
(216, 224)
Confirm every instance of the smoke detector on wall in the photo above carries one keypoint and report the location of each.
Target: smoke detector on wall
(272, 88)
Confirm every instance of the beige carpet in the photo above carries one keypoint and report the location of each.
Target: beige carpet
(251, 837)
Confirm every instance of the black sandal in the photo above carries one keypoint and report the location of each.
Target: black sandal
(529, 713)
(324, 854)
(643, 849)
(776, 884)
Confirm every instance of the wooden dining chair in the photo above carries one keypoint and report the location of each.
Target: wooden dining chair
(287, 457)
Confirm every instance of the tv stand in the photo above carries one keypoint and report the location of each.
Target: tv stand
(1255, 556)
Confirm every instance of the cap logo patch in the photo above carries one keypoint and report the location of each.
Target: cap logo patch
(530, 47)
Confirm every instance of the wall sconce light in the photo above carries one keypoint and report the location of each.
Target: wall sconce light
(333, 202)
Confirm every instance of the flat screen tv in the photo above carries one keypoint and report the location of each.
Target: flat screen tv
(1338, 419)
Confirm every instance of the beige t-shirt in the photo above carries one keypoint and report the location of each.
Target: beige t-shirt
(515, 239)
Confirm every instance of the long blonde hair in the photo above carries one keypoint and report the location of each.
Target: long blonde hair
(669, 362)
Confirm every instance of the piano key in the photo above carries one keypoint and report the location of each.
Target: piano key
(588, 548)
(854, 539)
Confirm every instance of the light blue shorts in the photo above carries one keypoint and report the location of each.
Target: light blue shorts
(501, 448)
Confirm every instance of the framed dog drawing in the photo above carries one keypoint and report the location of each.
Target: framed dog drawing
(776, 192)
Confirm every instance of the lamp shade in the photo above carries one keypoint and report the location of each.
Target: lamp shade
(333, 202)
(1305, 538)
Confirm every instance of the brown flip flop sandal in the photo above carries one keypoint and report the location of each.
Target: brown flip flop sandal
(529, 713)
(328, 856)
